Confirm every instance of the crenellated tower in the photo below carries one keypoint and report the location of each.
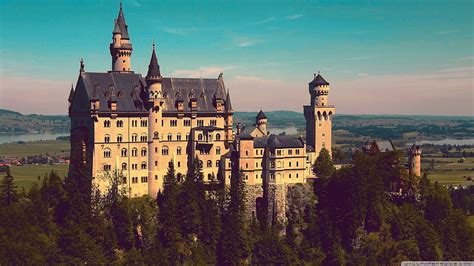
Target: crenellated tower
(261, 122)
(414, 160)
(121, 48)
(155, 102)
(319, 115)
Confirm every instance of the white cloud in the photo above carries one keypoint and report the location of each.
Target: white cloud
(270, 19)
(211, 71)
(466, 58)
(180, 31)
(295, 16)
(246, 42)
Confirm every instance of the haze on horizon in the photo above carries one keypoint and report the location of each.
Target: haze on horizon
(389, 57)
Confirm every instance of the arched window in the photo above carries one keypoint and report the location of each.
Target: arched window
(200, 136)
(218, 150)
(165, 150)
(119, 138)
(156, 135)
(107, 138)
(135, 137)
(209, 163)
(124, 166)
(246, 153)
(218, 136)
(119, 123)
(143, 137)
(178, 137)
(217, 163)
(134, 152)
(106, 123)
(143, 152)
(170, 136)
(178, 150)
(107, 153)
(143, 165)
(123, 152)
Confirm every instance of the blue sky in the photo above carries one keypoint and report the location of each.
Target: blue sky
(385, 57)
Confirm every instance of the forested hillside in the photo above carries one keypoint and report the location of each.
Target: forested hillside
(354, 221)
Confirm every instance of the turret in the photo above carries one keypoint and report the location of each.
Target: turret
(414, 160)
(121, 48)
(153, 79)
(319, 90)
(261, 122)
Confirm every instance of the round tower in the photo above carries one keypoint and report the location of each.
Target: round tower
(319, 90)
(261, 122)
(414, 160)
(155, 101)
(121, 48)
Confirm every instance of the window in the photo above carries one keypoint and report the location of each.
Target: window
(217, 163)
(143, 123)
(107, 138)
(200, 123)
(134, 123)
(272, 164)
(178, 137)
(289, 164)
(134, 180)
(279, 152)
(143, 137)
(272, 176)
(134, 166)
(156, 149)
(173, 123)
(124, 166)
(143, 165)
(209, 163)
(156, 163)
(246, 153)
(107, 153)
(107, 167)
(119, 123)
(106, 123)
(218, 150)
(135, 137)
(187, 123)
(246, 166)
(144, 179)
(290, 152)
(178, 151)
(297, 176)
(134, 152)
(170, 137)
(218, 136)
(297, 164)
(200, 136)
(256, 164)
(123, 152)
(213, 122)
(165, 150)
(156, 135)
(119, 138)
(297, 151)
(143, 152)
(156, 177)
(179, 164)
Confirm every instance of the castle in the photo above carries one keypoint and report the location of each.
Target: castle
(122, 121)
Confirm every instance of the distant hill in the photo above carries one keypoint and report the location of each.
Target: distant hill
(15, 122)
(365, 126)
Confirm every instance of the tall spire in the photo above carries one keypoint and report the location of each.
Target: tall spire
(153, 67)
(121, 23)
(228, 104)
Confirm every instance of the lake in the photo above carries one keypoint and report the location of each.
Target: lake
(454, 142)
(8, 138)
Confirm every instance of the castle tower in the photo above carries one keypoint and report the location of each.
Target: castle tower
(228, 119)
(414, 160)
(155, 102)
(261, 122)
(121, 48)
(319, 116)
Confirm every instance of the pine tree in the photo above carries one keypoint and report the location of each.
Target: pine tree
(323, 166)
(8, 190)
(234, 245)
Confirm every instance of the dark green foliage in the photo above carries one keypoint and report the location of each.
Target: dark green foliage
(323, 166)
(8, 190)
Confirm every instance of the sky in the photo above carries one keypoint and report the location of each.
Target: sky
(380, 57)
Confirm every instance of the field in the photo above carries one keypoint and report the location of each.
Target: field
(26, 175)
(448, 171)
(51, 147)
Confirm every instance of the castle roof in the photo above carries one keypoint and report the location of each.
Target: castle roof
(318, 81)
(375, 147)
(116, 28)
(130, 92)
(278, 142)
(261, 115)
(228, 104)
(153, 67)
(122, 24)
